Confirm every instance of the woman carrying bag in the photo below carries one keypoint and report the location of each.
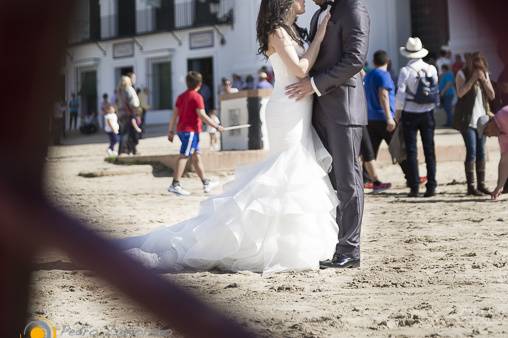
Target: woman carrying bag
(474, 90)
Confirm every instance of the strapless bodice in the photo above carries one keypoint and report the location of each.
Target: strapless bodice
(283, 76)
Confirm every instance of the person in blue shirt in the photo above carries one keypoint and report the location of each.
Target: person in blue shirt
(380, 94)
(249, 83)
(447, 92)
(263, 81)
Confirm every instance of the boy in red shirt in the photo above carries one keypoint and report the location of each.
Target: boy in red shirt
(187, 117)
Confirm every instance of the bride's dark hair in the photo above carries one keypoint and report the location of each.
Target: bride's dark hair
(272, 15)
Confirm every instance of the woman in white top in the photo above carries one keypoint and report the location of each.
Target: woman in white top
(474, 90)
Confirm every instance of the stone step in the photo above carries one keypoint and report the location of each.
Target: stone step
(229, 160)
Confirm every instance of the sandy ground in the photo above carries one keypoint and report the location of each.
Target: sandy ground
(431, 267)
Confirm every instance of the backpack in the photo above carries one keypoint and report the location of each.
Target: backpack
(427, 90)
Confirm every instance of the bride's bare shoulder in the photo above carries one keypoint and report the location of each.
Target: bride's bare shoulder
(278, 40)
(279, 37)
(278, 34)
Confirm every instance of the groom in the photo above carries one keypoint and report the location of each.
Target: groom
(340, 112)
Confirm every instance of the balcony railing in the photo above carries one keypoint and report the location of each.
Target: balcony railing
(86, 24)
(175, 15)
(184, 15)
(199, 13)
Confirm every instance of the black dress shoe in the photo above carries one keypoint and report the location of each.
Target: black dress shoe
(341, 262)
(430, 193)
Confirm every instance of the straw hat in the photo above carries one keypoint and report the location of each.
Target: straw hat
(414, 49)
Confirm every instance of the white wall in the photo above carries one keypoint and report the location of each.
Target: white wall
(390, 28)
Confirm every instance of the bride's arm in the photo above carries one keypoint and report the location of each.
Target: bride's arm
(283, 45)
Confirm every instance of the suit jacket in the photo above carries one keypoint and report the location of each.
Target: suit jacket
(336, 72)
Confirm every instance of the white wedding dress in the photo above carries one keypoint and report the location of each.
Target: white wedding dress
(276, 215)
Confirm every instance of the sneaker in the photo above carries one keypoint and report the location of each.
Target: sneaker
(110, 152)
(380, 187)
(208, 186)
(368, 185)
(178, 190)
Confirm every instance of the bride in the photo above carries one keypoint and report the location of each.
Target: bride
(276, 215)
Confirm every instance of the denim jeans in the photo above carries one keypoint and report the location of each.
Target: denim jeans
(475, 146)
(448, 107)
(73, 123)
(426, 125)
(113, 139)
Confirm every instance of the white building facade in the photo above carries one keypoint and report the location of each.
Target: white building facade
(161, 40)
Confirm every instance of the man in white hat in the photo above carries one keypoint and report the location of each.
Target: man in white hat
(415, 102)
(497, 126)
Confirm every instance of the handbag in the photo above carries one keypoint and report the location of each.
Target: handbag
(462, 116)
(397, 147)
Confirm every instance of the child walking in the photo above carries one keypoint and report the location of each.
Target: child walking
(214, 138)
(186, 122)
(112, 128)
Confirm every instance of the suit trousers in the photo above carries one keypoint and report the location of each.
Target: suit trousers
(344, 144)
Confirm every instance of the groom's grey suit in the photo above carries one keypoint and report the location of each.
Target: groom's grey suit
(340, 112)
